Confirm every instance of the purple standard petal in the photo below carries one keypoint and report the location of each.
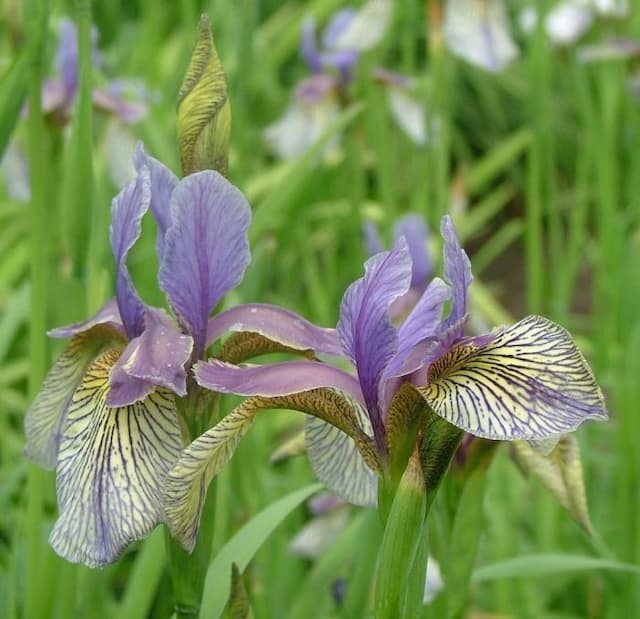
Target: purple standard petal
(415, 231)
(277, 324)
(206, 248)
(372, 240)
(127, 210)
(309, 46)
(163, 182)
(67, 56)
(107, 315)
(156, 358)
(368, 337)
(273, 380)
(337, 26)
(342, 60)
(457, 272)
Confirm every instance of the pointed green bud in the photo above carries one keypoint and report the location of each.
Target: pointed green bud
(238, 606)
(204, 112)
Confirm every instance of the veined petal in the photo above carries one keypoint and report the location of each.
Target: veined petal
(478, 31)
(457, 273)
(368, 337)
(163, 182)
(46, 415)
(530, 382)
(112, 467)
(277, 324)
(200, 462)
(336, 459)
(275, 379)
(206, 248)
(560, 471)
(108, 315)
(156, 358)
(127, 210)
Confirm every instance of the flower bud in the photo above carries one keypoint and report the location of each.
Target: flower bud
(204, 112)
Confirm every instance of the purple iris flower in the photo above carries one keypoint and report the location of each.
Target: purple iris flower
(106, 417)
(528, 381)
(59, 93)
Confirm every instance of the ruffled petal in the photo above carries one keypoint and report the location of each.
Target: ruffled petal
(108, 315)
(156, 358)
(275, 379)
(368, 337)
(206, 248)
(529, 383)
(277, 324)
(200, 462)
(46, 415)
(457, 273)
(112, 468)
(127, 210)
(163, 183)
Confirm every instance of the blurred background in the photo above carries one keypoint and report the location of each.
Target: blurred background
(520, 118)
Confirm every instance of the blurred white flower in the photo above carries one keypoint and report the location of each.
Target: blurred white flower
(15, 172)
(433, 583)
(366, 26)
(319, 533)
(478, 31)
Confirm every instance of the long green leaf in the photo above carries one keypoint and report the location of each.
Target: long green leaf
(241, 548)
(13, 90)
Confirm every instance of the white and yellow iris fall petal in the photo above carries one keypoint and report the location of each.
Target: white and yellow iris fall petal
(112, 466)
(530, 382)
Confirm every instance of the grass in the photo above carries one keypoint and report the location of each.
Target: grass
(540, 166)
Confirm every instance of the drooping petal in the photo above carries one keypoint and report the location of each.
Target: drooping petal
(47, 413)
(368, 337)
(206, 248)
(478, 32)
(409, 114)
(275, 379)
(200, 462)
(163, 183)
(127, 210)
(415, 231)
(530, 383)
(127, 111)
(277, 324)
(156, 358)
(107, 315)
(112, 467)
(560, 471)
(337, 461)
(457, 273)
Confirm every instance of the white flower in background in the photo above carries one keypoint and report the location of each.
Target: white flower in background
(366, 27)
(433, 582)
(478, 31)
(15, 173)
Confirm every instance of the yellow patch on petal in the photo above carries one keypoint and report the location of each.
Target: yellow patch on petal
(112, 466)
(531, 382)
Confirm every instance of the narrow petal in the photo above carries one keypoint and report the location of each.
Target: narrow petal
(457, 273)
(415, 231)
(163, 183)
(206, 248)
(309, 46)
(47, 413)
(368, 337)
(126, 111)
(560, 471)
(372, 240)
(156, 358)
(127, 210)
(478, 32)
(200, 462)
(67, 55)
(112, 468)
(530, 383)
(337, 461)
(337, 26)
(277, 324)
(275, 379)
(409, 114)
(108, 315)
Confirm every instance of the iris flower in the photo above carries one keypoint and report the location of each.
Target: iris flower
(107, 416)
(524, 382)
(317, 99)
